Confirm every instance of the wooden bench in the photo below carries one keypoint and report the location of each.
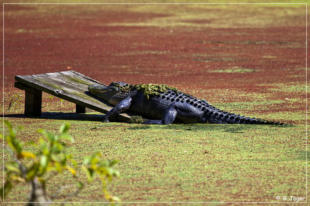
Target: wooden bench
(69, 85)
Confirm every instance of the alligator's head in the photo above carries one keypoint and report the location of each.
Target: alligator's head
(112, 94)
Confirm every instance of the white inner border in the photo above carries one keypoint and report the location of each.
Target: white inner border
(306, 122)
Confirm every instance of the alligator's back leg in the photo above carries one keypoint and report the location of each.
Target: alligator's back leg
(168, 118)
(184, 111)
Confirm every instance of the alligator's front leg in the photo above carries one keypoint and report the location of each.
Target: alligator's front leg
(120, 107)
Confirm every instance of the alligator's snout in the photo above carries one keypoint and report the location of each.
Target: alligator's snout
(97, 88)
(107, 93)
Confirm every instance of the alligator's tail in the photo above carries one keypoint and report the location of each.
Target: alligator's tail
(214, 115)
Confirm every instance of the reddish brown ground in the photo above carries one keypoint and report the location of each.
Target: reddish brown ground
(123, 43)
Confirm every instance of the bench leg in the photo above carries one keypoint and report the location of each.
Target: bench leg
(80, 109)
(33, 102)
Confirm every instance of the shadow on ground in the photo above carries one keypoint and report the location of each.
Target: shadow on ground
(61, 116)
(230, 128)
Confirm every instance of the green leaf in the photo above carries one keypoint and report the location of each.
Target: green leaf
(113, 162)
(64, 128)
(67, 137)
(8, 124)
(57, 148)
(71, 170)
(87, 160)
(109, 172)
(93, 159)
(30, 143)
(114, 199)
(50, 137)
(32, 171)
(45, 150)
(14, 144)
(89, 173)
(42, 131)
(80, 185)
(116, 173)
(43, 162)
(55, 158)
(6, 189)
(74, 163)
(12, 167)
(58, 167)
(11, 139)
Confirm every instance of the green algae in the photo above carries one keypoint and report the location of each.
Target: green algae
(153, 89)
(148, 89)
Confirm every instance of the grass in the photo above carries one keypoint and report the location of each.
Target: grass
(195, 162)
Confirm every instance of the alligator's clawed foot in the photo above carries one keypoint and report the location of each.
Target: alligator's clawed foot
(105, 119)
(153, 122)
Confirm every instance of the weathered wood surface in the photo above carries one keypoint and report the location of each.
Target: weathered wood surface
(33, 102)
(69, 85)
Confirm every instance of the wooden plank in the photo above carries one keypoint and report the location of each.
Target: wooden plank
(80, 109)
(33, 102)
(21, 86)
(69, 85)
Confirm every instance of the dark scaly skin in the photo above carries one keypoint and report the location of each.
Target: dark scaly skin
(166, 107)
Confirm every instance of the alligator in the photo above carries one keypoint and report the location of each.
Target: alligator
(162, 104)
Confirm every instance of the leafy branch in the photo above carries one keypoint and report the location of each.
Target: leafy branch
(50, 159)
